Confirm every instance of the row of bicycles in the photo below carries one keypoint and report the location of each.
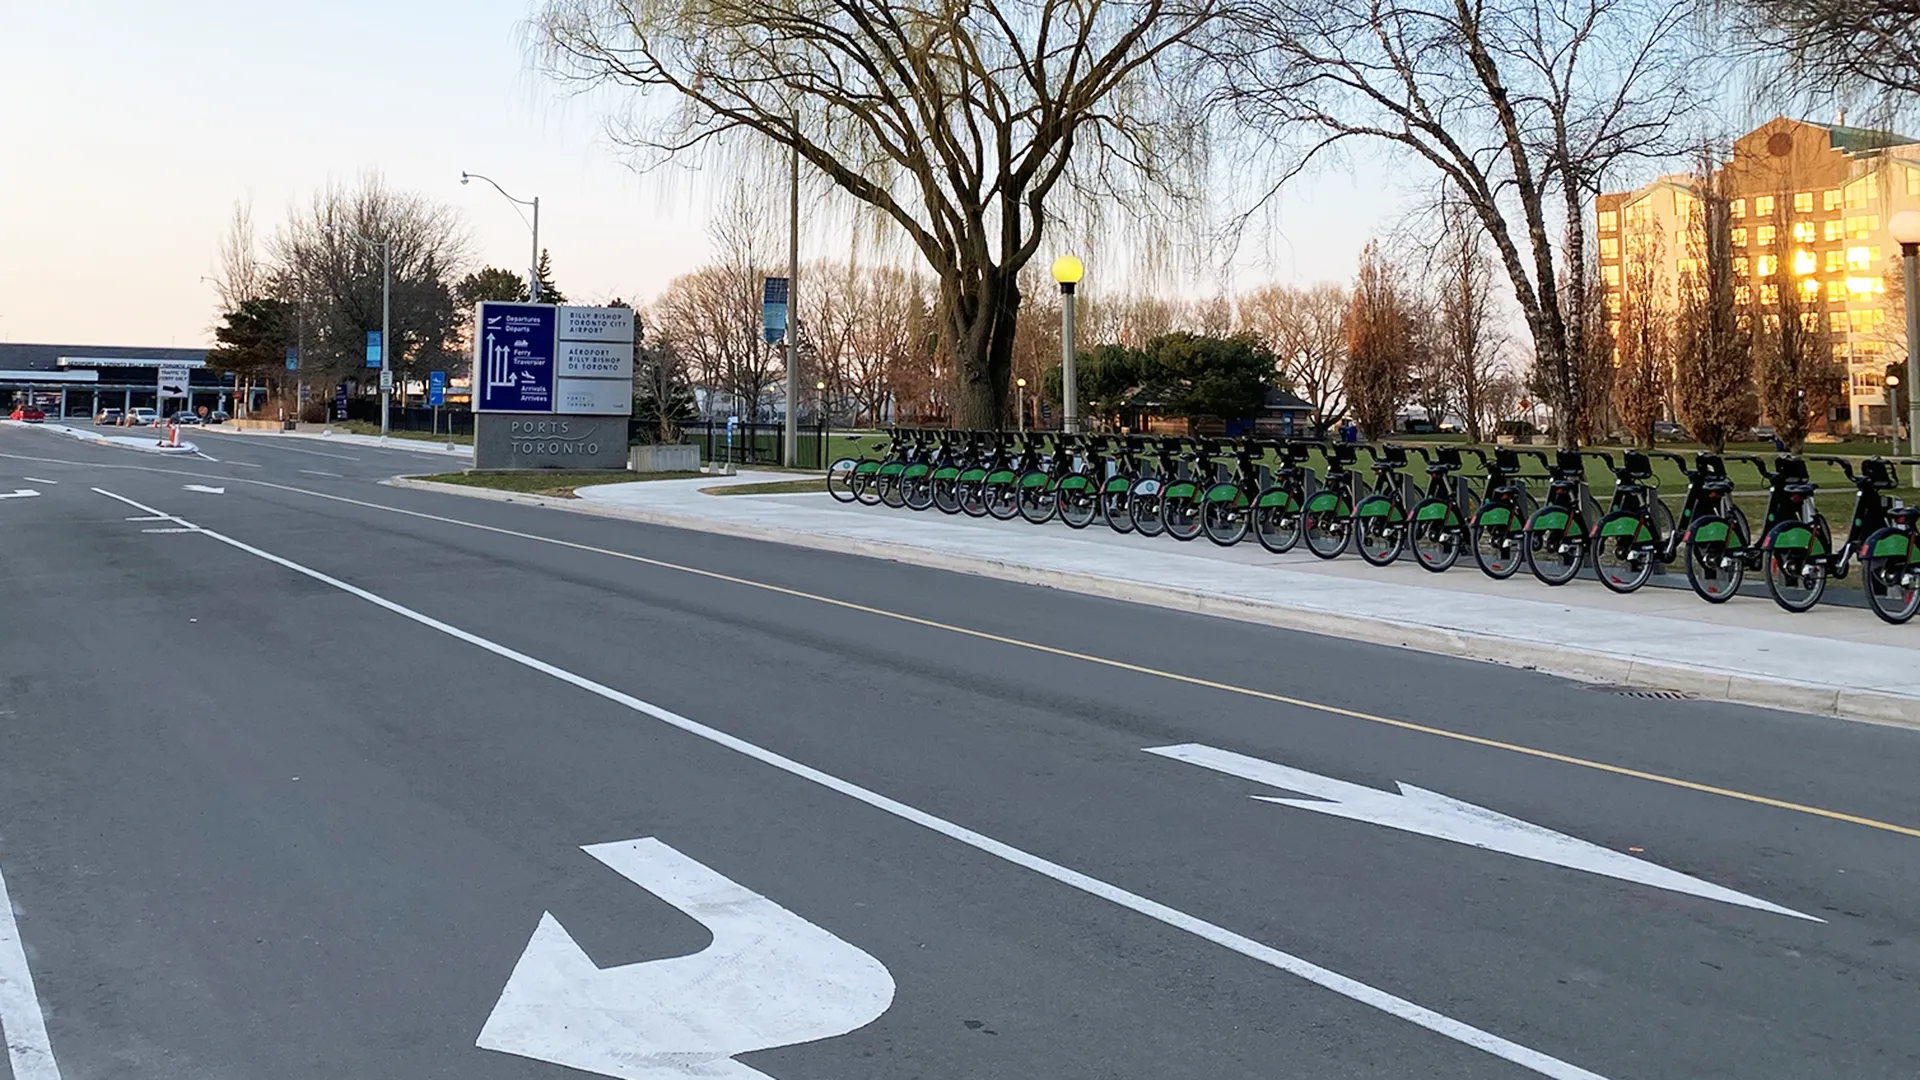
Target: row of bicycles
(1439, 508)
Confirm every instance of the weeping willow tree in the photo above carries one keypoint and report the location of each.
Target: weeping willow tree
(969, 127)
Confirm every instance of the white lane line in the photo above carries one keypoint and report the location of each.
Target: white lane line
(244, 464)
(315, 453)
(317, 472)
(1353, 989)
(199, 453)
(21, 1021)
(171, 530)
(37, 480)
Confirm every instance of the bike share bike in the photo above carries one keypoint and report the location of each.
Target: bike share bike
(1439, 531)
(1328, 520)
(1279, 508)
(1164, 469)
(950, 473)
(1076, 494)
(1639, 535)
(1557, 534)
(1116, 491)
(849, 478)
(1499, 530)
(1800, 557)
(1227, 505)
(1380, 519)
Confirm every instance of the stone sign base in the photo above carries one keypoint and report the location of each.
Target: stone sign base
(546, 441)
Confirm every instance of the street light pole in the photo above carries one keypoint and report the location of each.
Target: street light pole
(1905, 227)
(1068, 271)
(1021, 389)
(793, 306)
(533, 264)
(386, 330)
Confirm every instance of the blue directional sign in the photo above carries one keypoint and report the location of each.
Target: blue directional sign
(293, 358)
(513, 369)
(436, 388)
(340, 402)
(773, 308)
(373, 348)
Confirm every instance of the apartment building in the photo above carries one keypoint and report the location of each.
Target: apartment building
(1810, 207)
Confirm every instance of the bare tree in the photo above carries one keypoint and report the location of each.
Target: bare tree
(963, 125)
(1306, 329)
(1839, 47)
(1713, 368)
(1642, 336)
(1793, 367)
(1466, 340)
(1522, 105)
(241, 275)
(326, 258)
(1379, 343)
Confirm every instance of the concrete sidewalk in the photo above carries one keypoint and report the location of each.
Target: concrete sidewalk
(152, 443)
(1834, 660)
(418, 446)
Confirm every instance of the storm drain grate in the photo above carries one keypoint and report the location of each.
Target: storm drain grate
(1643, 692)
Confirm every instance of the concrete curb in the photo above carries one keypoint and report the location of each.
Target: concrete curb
(118, 442)
(415, 446)
(1841, 702)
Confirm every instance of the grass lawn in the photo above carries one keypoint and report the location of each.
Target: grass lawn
(560, 483)
(363, 427)
(772, 487)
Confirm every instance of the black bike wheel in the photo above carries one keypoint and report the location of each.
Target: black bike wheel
(1437, 535)
(1328, 533)
(893, 489)
(1498, 550)
(867, 484)
(1795, 561)
(1116, 508)
(1623, 551)
(1143, 507)
(1037, 502)
(1224, 514)
(1379, 530)
(973, 497)
(1077, 501)
(1716, 563)
(841, 480)
(1889, 576)
(946, 495)
(1555, 546)
(917, 493)
(1180, 516)
(1276, 520)
(1003, 500)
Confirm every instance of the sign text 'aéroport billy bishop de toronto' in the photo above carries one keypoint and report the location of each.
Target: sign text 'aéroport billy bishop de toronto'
(563, 376)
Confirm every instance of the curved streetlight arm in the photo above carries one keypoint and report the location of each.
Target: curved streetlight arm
(533, 265)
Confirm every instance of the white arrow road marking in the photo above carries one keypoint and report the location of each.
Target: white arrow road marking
(1353, 989)
(769, 979)
(23, 493)
(28, 1051)
(1429, 813)
(204, 488)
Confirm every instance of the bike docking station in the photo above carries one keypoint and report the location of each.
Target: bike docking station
(553, 386)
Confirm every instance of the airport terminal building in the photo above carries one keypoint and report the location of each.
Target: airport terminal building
(77, 381)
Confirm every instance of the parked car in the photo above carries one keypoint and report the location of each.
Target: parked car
(108, 416)
(31, 414)
(218, 416)
(142, 417)
(183, 418)
(1668, 431)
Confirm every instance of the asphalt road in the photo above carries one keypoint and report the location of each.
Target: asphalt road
(310, 830)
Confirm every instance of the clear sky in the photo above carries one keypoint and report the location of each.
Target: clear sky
(128, 128)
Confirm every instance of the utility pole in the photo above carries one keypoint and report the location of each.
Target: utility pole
(792, 452)
(386, 329)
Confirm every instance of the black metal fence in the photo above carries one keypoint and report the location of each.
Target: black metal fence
(760, 444)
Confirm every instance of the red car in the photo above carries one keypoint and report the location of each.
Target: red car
(29, 413)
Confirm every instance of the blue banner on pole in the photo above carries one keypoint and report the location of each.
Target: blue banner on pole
(773, 308)
(436, 388)
(514, 368)
(373, 348)
(293, 358)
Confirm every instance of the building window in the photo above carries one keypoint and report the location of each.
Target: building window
(1762, 205)
(1804, 263)
(1861, 226)
(1913, 181)
(1834, 230)
(1610, 248)
(1739, 208)
(1740, 236)
(1610, 275)
(1860, 258)
(1803, 202)
(1835, 260)
(1741, 266)
(1769, 294)
(1836, 290)
(1609, 220)
(1857, 194)
(1803, 232)
(1764, 235)
(1613, 303)
(1766, 265)
(1830, 200)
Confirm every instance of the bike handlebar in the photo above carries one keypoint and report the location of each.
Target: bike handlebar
(1846, 466)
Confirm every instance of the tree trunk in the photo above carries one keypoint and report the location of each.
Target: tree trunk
(980, 322)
